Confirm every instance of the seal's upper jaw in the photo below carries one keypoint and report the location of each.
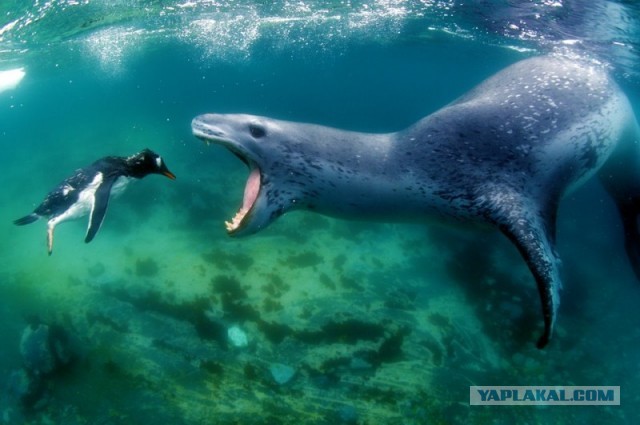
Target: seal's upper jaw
(210, 129)
(222, 130)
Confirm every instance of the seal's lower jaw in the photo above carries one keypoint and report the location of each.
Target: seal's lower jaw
(251, 192)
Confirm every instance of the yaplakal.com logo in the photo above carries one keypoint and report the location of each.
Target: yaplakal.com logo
(544, 395)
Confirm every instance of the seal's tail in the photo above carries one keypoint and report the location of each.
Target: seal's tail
(27, 219)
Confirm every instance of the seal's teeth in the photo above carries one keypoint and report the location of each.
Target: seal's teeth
(235, 222)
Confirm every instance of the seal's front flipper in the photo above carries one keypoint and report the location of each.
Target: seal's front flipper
(531, 227)
(98, 209)
(535, 243)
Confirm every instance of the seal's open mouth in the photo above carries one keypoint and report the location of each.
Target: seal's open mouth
(212, 135)
(251, 191)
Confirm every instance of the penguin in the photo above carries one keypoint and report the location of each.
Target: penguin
(88, 189)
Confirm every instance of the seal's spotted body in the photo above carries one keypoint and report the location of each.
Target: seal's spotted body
(503, 154)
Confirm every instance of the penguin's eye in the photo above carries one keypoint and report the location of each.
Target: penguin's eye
(159, 162)
(257, 131)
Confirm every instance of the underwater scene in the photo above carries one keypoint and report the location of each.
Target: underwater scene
(166, 317)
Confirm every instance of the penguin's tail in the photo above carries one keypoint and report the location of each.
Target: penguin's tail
(27, 219)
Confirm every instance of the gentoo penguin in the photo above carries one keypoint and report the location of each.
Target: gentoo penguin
(89, 188)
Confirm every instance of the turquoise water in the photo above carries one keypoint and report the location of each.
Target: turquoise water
(380, 323)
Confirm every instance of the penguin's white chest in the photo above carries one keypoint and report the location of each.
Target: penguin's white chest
(83, 205)
(86, 199)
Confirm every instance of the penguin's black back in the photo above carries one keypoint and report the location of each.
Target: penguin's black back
(62, 197)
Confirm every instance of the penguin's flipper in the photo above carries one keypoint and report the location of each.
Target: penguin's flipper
(99, 208)
(27, 219)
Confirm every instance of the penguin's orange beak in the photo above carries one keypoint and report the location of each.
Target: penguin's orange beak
(169, 174)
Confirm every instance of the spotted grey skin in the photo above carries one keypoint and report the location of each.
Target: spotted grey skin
(504, 154)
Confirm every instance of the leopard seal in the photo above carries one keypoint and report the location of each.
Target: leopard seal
(504, 154)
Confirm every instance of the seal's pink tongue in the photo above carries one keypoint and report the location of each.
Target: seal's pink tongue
(251, 189)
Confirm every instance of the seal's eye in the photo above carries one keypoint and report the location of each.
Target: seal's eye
(257, 131)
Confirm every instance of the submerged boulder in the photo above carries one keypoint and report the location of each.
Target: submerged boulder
(281, 373)
(44, 349)
(237, 337)
(25, 388)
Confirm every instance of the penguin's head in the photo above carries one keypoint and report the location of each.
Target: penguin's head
(148, 162)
